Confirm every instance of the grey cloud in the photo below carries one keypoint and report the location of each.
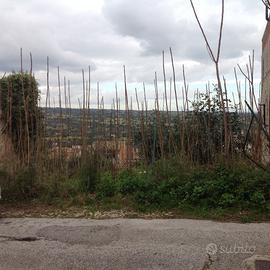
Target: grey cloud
(153, 24)
(127, 32)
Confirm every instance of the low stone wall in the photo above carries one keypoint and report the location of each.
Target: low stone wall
(257, 262)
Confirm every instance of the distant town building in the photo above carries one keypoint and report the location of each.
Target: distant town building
(117, 150)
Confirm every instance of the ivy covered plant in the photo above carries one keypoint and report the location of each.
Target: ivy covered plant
(20, 115)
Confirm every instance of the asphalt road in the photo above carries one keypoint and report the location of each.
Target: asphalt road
(128, 244)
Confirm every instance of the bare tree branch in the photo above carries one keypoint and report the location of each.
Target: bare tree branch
(203, 33)
(220, 31)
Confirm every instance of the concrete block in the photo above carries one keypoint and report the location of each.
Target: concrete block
(257, 262)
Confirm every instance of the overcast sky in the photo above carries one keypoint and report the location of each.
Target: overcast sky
(108, 34)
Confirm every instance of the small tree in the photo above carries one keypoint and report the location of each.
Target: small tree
(208, 129)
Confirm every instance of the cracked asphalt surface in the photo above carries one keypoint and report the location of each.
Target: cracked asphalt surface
(31, 243)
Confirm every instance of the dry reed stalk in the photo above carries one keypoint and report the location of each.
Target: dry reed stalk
(186, 88)
(250, 79)
(245, 105)
(48, 103)
(117, 129)
(25, 104)
(238, 87)
(69, 107)
(81, 124)
(132, 129)
(142, 125)
(146, 130)
(83, 120)
(165, 84)
(103, 131)
(98, 119)
(183, 126)
(65, 93)
(89, 87)
(145, 103)
(160, 133)
(163, 105)
(9, 110)
(154, 135)
(21, 141)
(174, 84)
(39, 146)
(127, 120)
(171, 137)
(176, 100)
(65, 114)
(86, 98)
(185, 148)
(36, 118)
(60, 138)
(143, 135)
(137, 99)
(170, 95)
(88, 104)
(113, 137)
(114, 130)
(168, 107)
(234, 103)
(209, 126)
(251, 68)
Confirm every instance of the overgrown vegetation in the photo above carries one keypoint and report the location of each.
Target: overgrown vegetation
(163, 186)
(173, 185)
(181, 167)
(149, 159)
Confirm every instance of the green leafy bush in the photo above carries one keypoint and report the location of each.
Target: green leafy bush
(106, 187)
(215, 188)
(257, 198)
(227, 200)
(131, 181)
(89, 175)
(23, 185)
(240, 187)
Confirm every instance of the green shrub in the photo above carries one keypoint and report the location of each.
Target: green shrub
(212, 189)
(163, 170)
(106, 187)
(219, 187)
(257, 198)
(26, 180)
(5, 184)
(23, 185)
(131, 181)
(71, 187)
(227, 200)
(89, 176)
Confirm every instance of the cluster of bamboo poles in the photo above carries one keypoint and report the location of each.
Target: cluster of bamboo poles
(132, 134)
(147, 133)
